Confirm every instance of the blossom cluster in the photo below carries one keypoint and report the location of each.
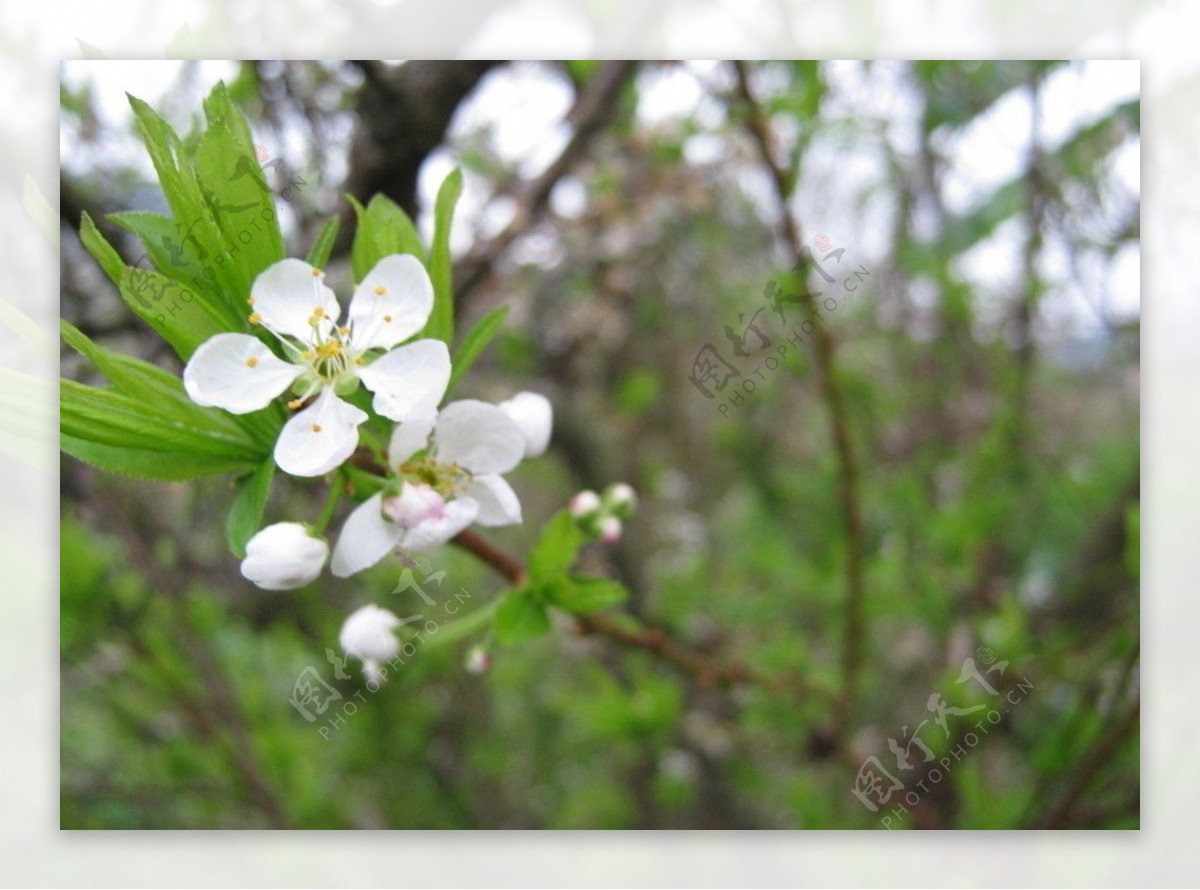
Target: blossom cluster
(445, 465)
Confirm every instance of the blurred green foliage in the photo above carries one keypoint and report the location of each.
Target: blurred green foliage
(999, 458)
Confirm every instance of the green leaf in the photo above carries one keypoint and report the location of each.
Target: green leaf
(245, 517)
(441, 322)
(148, 464)
(383, 229)
(322, 248)
(475, 343)
(242, 205)
(554, 552)
(149, 383)
(520, 617)
(105, 254)
(117, 432)
(584, 594)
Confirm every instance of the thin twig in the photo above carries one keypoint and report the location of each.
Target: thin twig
(824, 357)
(705, 670)
(595, 106)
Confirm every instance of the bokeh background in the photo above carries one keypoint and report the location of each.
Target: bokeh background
(985, 375)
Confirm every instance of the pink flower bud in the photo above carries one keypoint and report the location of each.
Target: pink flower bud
(415, 504)
(478, 661)
(584, 504)
(610, 529)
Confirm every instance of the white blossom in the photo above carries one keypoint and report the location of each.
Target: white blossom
(239, 373)
(368, 635)
(284, 556)
(447, 470)
(534, 414)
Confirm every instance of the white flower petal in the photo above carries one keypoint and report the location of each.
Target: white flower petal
(410, 380)
(392, 303)
(366, 538)
(534, 414)
(409, 437)
(498, 503)
(237, 372)
(459, 513)
(284, 556)
(478, 437)
(368, 634)
(320, 437)
(288, 293)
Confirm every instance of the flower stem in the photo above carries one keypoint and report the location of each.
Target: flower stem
(331, 502)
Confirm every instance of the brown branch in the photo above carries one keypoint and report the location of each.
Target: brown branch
(1098, 758)
(831, 393)
(705, 670)
(594, 107)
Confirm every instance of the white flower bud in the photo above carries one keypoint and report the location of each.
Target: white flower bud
(414, 505)
(610, 529)
(367, 635)
(534, 414)
(284, 556)
(584, 504)
(621, 499)
(478, 661)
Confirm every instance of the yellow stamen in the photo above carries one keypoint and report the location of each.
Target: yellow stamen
(251, 362)
(316, 427)
(317, 273)
(329, 349)
(255, 318)
(318, 312)
(295, 403)
(387, 319)
(358, 360)
(250, 301)
(308, 354)
(380, 290)
(344, 331)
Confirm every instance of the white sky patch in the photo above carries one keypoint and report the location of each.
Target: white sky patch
(990, 151)
(522, 109)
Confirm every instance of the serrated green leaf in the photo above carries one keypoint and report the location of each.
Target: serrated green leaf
(584, 594)
(245, 516)
(239, 198)
(145, 464)
(475, 343)
(103, 252)
(128, 435)
(520, 617)
(383, 229)
(555, 550)
(441, 267)
(322, 248)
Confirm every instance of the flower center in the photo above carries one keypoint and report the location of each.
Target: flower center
(448, 480)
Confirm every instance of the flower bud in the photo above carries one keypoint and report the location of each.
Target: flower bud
(367, 635)
(284, 556)
(585, 504)
(610, 529)
(478, 661)
(414, 505)
(534, 414)
(621, 499)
